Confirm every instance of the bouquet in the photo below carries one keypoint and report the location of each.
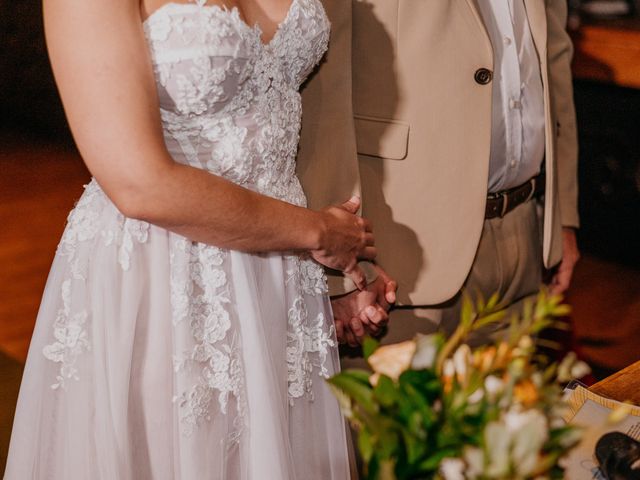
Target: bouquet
(435, 408)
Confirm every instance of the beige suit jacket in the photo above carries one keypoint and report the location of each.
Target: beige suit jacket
(398, 87)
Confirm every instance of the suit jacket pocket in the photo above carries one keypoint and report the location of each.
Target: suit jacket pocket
(380, 137)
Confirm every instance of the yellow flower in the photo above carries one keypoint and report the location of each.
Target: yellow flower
(392, 360)
(503, 356)
(483, 359)
(526, 393)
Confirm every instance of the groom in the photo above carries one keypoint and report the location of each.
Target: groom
(454, 120)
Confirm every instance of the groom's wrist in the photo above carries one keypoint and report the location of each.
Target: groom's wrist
(340, 285)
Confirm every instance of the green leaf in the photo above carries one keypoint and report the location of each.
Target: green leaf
(362, 394)
(561, 325)
(562, 310)
(467, 313)
(416, 447)
(369, 345)
(432, 463)
(494, 317)
(493, 301)
(422, 380)
(365, 445)
(386, 391)
(388, 443)
(480, 305)
(361, 376)
(417, 425)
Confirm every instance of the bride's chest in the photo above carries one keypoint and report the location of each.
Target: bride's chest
(205, 56)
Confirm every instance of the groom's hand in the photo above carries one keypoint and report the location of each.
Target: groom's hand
(570, 255)
(364, 312)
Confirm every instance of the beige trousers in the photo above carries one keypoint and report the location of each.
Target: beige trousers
(508, 261)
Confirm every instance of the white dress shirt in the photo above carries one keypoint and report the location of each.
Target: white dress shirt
(517, 130)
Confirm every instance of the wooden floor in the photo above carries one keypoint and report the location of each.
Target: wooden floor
(41, 181)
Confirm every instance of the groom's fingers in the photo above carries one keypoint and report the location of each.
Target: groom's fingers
(390, 289)
(350, 338)
(374, 319)
(376, 315)
(357, 329)
(390, 286)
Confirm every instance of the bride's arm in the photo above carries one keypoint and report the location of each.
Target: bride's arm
(103, 71)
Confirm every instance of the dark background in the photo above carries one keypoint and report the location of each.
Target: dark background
(28, 97)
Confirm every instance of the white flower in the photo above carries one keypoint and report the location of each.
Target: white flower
(392, 360)
(476, 396)
(497, 441)
(529, 432)
(564, 369)
(426, 352)
(452, 469)
(461, 361)
(571, 368)
(580, 369)
(448, 369)
(512, 445)
(494, 386)
(474, 457)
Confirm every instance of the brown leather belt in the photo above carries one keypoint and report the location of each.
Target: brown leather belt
(501, 203)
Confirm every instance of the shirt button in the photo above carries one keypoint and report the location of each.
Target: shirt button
(483, 76)
(515, 104)
(513, 164)
(507, 41)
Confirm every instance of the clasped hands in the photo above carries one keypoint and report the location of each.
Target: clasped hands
(364, 312)
(345, 239)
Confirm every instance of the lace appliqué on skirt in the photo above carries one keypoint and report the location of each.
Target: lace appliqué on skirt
(309, 337)
(71, 329)
(200, 297)
(72, 339)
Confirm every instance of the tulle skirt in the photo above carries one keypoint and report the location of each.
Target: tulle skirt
(155, 357)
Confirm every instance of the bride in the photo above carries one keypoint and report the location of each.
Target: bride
(185, 329)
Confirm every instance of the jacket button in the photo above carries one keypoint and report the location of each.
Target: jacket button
(483, 76)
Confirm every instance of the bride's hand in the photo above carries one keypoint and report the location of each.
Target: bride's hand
(345, 239)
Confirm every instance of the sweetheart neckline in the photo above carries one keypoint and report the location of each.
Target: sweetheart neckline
(233, 12)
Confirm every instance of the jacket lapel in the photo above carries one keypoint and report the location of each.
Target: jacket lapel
(473, 5)
(536, 12)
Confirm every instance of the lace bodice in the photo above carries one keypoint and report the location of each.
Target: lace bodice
(230, 103)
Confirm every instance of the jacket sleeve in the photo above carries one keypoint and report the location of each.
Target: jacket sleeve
(559, 56)
(327, 162)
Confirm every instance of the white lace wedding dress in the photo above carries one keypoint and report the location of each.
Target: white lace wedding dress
(155, 357)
